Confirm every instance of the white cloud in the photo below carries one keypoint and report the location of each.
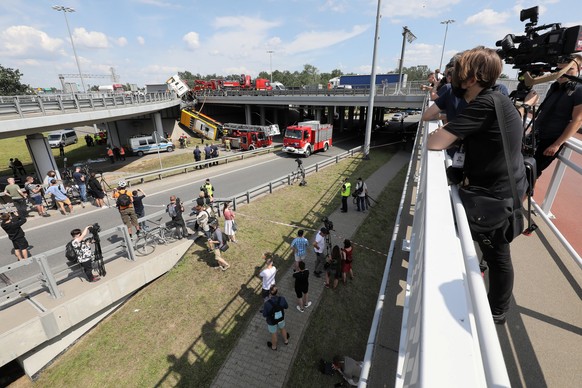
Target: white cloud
(416, 8)
(26, 40)
(334, 5)
(314, 40)
(121, 42)
(141, 40)
(90, 39)
(192, 40)
(488, 17)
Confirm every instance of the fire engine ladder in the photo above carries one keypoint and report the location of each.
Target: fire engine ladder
(268, 130)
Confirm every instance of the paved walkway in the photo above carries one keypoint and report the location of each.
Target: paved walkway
(251, 363)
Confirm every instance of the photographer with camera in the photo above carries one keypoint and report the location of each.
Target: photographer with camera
(12, 225)
(82, 247)
(560, 114)
(35, 192)
(301, 171)
(485, 163)
(175, 209)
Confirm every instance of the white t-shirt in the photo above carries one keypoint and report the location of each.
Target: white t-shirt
(320, 240)
(268, 275)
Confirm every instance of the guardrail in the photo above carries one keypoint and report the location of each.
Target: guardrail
(71, 103)
(48, 278)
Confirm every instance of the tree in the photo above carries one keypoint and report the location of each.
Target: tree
(10, 84)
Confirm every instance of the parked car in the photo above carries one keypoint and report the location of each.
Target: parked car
(140, 145)
(397, 117)
(66, 136)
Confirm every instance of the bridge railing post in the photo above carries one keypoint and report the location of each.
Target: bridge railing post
(47, 277)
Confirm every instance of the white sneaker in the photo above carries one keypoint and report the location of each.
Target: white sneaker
(300, 309)
(308, 304)
(104, 207)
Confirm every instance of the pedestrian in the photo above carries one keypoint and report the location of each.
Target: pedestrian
(95, 189)
(175, 209)
(302, 287)
(347, 258)
(268, 275)
(274, 311)
(207, 155)
(138, 196)
(230, 226)
(12, 167)
(84, 254)
(110, 155)
(80, 180)
(122, 152)
(197, 156)
(62, 149)
(345, 193)
(19, 167)
(333, 267)
(17, 195)
(227, 144)
(116, 153)
(208, 190)
(214, 149)
(12, 225)
(361, 192)
(35, 191)
(216, 244)
(319, 245)
(60, 197)
(88, 140)
(202, 218)
(299, 246)
(124, 203)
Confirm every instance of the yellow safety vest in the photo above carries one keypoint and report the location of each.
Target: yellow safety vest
(348, 187)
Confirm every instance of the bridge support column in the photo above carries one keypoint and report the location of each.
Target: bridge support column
(318, 114)
(248, 117)
(158, 127)
(363, 114)
(113, 137)
(350, 118)
(42, 156)
(262, 115)
(275, 116)
(342, 116)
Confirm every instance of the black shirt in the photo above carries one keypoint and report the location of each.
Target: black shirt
(556, 110)
(14, 227)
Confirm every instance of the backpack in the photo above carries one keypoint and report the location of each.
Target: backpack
(71, 252)
(123, 199)
(277, 313)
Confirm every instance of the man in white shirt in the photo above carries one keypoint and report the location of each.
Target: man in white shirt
(268, 275)
(319, 247)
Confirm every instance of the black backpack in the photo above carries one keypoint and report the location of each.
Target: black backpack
(123, 199)
(277, 313)
(71, 252)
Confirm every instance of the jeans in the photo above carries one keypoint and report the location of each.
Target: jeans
(498, 258)
(83, 192)
(361, 203)
(319, 261)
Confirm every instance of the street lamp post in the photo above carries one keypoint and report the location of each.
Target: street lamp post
(270, 52)
(407, 35)
(445, 22)
(65, 10)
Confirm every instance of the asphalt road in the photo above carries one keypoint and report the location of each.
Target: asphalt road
(44, 234)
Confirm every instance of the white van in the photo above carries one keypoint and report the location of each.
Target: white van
(140, 145)
(66, 136)
(277, 85)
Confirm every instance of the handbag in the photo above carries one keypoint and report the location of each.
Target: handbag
(234, 227)
(492, 218)
(224, 247)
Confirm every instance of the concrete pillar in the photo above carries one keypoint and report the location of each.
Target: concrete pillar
(262, 115)
(341, 111)
(42, 156)
(351, 117)
(275, 116)
(248, 117)
(318, 114)
(113, 137)
(158, 127)
(363, 114)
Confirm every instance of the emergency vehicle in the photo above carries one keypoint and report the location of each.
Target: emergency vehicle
(249, 137)
(307, 137)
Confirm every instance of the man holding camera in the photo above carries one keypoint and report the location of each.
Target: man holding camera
(81, 182)
(12, 225)
(175, 209)
(35, 194)
(84, 254)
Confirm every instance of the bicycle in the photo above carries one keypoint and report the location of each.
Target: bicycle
(298, 174)
(147, 241)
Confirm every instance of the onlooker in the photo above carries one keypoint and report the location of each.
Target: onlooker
(60, 197)
(88, 140)
(12, 166)
(215, 155)
(229, 224)
(81, 181)
(299, 246)
(560, 114)
(84, 255)
(349, 368)
(138, 196)
(202, 218)
(96, 190)
(361, 192)
(268, 275)
(207, 154)
(18, 196)
(197, 156)
(19, 167)
(62, 149)
(116, 153)
(319, 247)
(216, 242)
(50, 175)
(302, 287)
(333, 267)
(175, 210)
(12, 225)
(124, 202)
(34, 191)
(474, 74)
(347, 258)
(274, 310)
(345, 193)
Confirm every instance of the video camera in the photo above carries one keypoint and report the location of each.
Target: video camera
(298, 161)
(95, 228)
(327, 223)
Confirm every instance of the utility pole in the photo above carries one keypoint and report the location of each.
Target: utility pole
(407, 35)
(270, 52)
(446, 22)
(65, 10)
(370, 115)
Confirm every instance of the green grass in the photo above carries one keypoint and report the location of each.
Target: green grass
(178, 330)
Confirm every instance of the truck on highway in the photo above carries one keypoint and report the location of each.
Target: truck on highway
(177, 85)
(307, 137)
(363, 81)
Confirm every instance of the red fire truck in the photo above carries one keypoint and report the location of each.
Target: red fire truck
(307, 137)
(249, 137)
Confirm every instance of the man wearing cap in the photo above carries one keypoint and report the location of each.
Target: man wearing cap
(319, 248)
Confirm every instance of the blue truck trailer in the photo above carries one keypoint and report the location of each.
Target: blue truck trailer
(363, 81)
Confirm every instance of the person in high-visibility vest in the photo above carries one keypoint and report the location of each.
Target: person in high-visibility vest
(345, 192)
(110, 154)
(208, 190)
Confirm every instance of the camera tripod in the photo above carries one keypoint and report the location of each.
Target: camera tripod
(299, 173)
(99, 264)
(106, 187)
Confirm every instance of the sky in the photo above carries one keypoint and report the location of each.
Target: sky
(147, 41)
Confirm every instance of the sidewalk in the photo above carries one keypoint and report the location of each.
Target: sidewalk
(251, 363)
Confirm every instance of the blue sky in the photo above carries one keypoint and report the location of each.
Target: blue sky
(147, 41)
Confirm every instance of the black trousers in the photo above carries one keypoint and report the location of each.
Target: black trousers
(498, 258)
(88, 268)
(344, 203)
(543, 161)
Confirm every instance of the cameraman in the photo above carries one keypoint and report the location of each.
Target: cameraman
(12, 225)
(560, 114)
(84, 254)
(301, 170)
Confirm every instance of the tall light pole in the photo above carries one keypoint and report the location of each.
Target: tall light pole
(270, 52)
(407, 35)
(65, 10)
(370, 115)
(446, 22)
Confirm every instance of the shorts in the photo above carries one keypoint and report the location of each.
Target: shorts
(265, 293)
(65, 201)
(300, 258)
(301, 291)
(128, 217)
(20, 244)
(36, 200)
(273, 328)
